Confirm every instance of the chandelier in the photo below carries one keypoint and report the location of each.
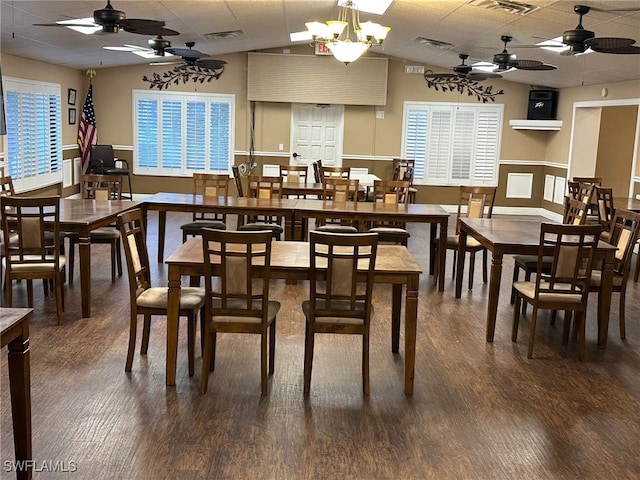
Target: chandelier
(346, 38)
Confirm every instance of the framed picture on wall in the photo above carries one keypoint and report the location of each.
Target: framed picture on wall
(72, 116)
(71, 96)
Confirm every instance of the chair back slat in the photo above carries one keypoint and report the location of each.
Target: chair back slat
(342, 267)
(101, 187)
(210, 186)
(475, 202)
(573, 249)
(131, 226)
(244, 260)
(238, 180)
(30, 218)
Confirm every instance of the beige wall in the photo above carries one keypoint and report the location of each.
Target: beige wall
(615, 147)
(368, 142)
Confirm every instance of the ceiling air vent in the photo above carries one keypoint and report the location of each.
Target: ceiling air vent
(223, 35)
(433, 43)
(513, 8)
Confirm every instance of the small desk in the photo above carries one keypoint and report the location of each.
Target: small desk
(82, 217)
(361, 212)
(521, 236)
(14, 325)
(178, 202)
(290, 260)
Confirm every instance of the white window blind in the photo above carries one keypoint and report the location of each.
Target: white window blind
(33, 143)
(452, 144)
(176, 134)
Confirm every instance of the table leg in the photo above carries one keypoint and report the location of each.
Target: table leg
(410, 327)
(432, 248)
(173, 310)
(442, 252)
(462, 246)
(84, 249)
(396, 307)
(162, 226)
(604, 299)
(19, 384)
(494, 292)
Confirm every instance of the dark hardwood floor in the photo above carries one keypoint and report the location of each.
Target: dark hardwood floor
(480, 410)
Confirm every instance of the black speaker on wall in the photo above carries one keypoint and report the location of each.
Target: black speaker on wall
(542, 105)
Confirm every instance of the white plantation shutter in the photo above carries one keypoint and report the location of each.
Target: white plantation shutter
(177, 134)
(171, 145)
(462, 145)
(34, 133)
(487, 145)
(196, 146)
(452, 144)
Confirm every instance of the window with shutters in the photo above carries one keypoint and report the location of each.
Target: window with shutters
(33, 144)
(176, 134)
(452, 144)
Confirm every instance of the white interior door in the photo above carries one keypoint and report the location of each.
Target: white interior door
(317, 132)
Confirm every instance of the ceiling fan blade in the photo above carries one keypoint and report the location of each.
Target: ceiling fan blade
(525, 64)
(146, 27)
(88, 25)
(440, 75)
(480, 76)
(609, 42)
(633, 50)
(211, 63)
(186, 52)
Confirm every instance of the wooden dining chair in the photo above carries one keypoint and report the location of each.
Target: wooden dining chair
(591, 180)
(294, 174)
(340, 292)
(390, 192)
(403, 169)
(32, 253)
(237, 178)
(335, 172)
(146, 300)
(6, 190)
(474, 202)
(210, 186)
(101, 188)
(566, 285)
(624, 233)
(604, 200)
(268, 188)
(338, 191)
(237, 272)
(575, 214)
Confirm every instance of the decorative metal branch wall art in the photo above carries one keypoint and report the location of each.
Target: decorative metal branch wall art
(185, 74)
(461, 84)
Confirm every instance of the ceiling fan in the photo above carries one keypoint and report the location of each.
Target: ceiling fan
(157, 47)
(193, 58)
(579, 40)
(506, 61)
(463, 71)
(111, 21)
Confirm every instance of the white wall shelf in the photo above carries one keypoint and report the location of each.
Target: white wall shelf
(536, 124)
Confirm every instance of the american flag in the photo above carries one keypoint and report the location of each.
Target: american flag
(87, 131)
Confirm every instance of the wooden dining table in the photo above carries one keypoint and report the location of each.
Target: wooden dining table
(521, 236)
(291, 261)
(82, 216)
(362, 212)
(14, 328)
(164, 202)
